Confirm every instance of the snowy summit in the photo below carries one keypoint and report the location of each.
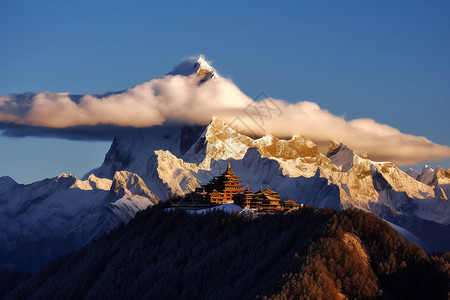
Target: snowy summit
(195, 65)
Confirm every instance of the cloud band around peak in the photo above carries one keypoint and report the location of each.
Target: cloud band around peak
(186, 99)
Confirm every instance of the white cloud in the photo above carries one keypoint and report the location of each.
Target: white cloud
(176, 97)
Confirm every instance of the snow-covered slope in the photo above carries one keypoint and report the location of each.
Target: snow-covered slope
(359, 180)
(439, 179)
(138, 154)
(427, 175)
(442, 183)
(44, 219)
(128, 195)
(295, 168)
(228, 207)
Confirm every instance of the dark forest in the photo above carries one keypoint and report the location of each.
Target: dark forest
(307, 254)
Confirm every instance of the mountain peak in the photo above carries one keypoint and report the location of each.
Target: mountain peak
(340, 155)
(333, 146)
(364, 155)
(216, 119)
(129, 184)
(203, 66)
(413, 173)
(427, 175)
(217, 125)
(195, 65)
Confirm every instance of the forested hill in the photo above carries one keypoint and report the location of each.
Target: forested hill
(316, 253)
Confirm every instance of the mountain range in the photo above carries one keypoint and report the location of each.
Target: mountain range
(42, 220)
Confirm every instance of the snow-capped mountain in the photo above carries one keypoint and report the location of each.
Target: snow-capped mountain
(42, 220)
(359, 180)
(295, 168)
(439, 179)
(142, 154)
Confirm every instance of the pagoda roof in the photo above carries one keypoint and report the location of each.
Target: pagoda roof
(267, 190)
(290, 201)
(268, 193)
(248, 192)
(228, 171)
(270, 197)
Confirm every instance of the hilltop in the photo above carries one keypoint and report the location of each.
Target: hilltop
(318, 253)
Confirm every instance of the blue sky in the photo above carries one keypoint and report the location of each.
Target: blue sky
(385, 60)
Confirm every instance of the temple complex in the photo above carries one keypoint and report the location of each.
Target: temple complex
(227, 188)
